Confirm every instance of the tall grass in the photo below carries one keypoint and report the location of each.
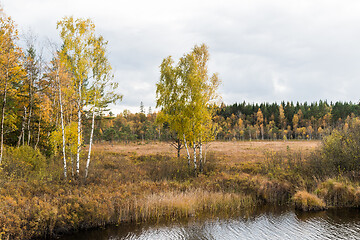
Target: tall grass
(176, 205)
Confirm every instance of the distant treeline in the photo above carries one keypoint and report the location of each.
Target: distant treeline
(239, 121)
(284, 120)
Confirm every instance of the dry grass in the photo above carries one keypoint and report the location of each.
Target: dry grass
(172, 205)
(339, 193)
(140, 149)
(308, 202)
(236, 151)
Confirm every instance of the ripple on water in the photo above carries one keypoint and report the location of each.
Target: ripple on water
(331, 224)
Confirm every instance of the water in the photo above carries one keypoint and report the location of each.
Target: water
(265, 223)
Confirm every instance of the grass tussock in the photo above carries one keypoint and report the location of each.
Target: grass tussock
(308, 202)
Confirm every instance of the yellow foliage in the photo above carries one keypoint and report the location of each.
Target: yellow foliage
(71, 135)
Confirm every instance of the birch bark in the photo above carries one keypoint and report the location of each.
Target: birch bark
(200, 157)
(79, 133)
(187, 150)
(38, 135)
(22, 133)
(91, 141)
(195, 165)
(62, 125)
(3, 118)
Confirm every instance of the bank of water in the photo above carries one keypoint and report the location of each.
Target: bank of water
(263, 223)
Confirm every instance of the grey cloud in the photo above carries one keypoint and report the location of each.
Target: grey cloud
(263, 50)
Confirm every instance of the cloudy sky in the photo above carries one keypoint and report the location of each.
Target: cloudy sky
(263, 50)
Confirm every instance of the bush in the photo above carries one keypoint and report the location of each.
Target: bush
(341, 150)
(339, 194)
(23, 162)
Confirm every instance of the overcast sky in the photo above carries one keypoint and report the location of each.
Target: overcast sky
(263, 50)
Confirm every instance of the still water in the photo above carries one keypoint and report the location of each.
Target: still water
(265, 223)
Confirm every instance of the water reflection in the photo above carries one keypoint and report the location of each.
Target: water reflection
(265, 223)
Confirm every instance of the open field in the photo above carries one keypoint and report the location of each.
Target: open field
(235, 150)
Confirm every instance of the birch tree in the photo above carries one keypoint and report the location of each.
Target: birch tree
(260, 122)
(84, 55)
(78, 36)
(103, 90)
(169, 97)
(60, 90)
(57, 69)
(200, 94)
(187, 95)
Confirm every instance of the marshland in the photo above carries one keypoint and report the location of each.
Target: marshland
(148, 183)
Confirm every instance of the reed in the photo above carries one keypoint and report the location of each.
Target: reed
(176, 205)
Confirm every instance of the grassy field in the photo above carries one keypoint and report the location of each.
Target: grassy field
(147, 182)
(234, 151)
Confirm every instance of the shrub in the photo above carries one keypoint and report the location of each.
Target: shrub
(23, 162)
(341, 150)
(339, 194)
(339, 155)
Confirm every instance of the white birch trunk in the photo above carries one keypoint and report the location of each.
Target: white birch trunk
(205, 152)
(28, 125)
(72, 164)
(3, 119)
(200, 157)
(187, 150)
(195, 166)
(62, 128)
(38, 135)
(30, 110)
(79, 133)
(22, 133)
(91, 141)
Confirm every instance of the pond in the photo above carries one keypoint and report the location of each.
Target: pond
(263, 223)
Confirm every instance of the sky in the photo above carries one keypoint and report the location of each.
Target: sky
(263, 51)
